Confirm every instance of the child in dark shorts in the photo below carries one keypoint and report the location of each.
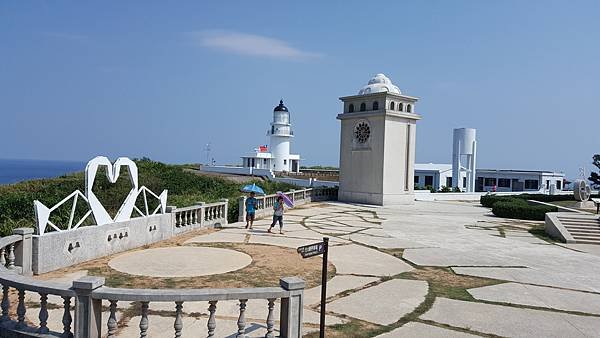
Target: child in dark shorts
(278, 214)
(251, 205)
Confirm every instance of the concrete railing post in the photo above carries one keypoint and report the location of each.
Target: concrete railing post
(225, 209)
(201, 213)
(293, 195)
(291, 307)
(242, 209)
(88, 311)
(24, 250)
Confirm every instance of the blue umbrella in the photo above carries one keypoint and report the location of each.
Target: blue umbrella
(253, 188)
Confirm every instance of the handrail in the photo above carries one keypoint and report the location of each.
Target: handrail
(12, 279)
(8, 240)
(188, 295)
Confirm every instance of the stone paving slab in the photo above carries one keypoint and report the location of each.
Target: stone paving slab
(280, 240)
(382, 304)
(219, 236)
(510, 321)
(445, 257)
(360, 260)
(420, 330)
(540, 296)
(383, 242)
(172, 262)
(534, 276)
(528, 239)
(337, 284)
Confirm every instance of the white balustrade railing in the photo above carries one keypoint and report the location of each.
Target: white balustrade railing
(88, 293)
(299, 197)
(201, 214)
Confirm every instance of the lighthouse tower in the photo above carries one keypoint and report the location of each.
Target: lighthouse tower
(281, 134)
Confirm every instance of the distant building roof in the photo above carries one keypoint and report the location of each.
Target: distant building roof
(440, 167)
(515, 171)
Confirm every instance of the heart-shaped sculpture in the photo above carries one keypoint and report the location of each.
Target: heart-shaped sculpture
(112, 173)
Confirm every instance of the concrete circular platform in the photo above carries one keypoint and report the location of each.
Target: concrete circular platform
(180, 262)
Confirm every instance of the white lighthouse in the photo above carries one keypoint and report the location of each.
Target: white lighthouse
(281, 134)
(277, 156)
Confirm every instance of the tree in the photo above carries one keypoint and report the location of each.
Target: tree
(595, 177)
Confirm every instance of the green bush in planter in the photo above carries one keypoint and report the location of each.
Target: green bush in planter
(520, 209)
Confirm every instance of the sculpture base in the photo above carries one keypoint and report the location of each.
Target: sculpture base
(584, 205)
(376, 199)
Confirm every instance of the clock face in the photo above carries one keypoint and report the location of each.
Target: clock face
(362, 132)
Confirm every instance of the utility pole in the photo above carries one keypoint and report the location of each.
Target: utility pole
(207, 150)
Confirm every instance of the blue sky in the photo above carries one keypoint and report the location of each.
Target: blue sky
(80, 79)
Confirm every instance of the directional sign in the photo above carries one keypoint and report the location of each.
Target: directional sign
(312, 250)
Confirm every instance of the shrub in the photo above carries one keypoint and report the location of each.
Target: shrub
(184, 187)
(520, 209)
(445, 189)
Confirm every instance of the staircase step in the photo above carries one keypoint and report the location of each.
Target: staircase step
(570, 227)
(584, 241)
(586, 237)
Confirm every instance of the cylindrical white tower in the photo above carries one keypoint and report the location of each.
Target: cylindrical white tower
(464, 153)
(281, 134)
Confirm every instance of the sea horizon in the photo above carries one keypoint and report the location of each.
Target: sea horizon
(18, 170)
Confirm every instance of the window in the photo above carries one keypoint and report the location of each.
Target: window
(448, 181)
(351, 108)
(272, 129)
(401, 106)
(559, 185)
(363, 107)
(547, 184)
(392, 105)
(504, 182)
(416, 179)
(532, 184)
(284, 162)
(265, 161)
(375, 105)
(489, 182)
(408, 108)
(428, 180)
(464, 182)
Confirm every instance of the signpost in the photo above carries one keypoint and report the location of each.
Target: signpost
(315, 250)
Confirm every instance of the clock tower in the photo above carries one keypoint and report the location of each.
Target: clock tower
(377, 145)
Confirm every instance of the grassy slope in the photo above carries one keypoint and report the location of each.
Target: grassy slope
(185, 188)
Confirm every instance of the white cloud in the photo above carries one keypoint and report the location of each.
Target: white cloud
(250, 44)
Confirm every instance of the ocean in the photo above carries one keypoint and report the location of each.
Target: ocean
(13, 171)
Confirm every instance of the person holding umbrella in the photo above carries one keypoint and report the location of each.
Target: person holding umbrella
(277, 214)
(251, 206)
(278, 208)
(251, 202)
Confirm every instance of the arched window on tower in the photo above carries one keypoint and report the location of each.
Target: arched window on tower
(272, 129)
(363, 107)
(375, 105)
(408, 108)
(351, 108)
(392, 105)
(400, 106)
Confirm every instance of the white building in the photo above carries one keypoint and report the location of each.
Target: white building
(377, 145)
(438, 176)
(276, 156)
(518, 180)
(464, 154)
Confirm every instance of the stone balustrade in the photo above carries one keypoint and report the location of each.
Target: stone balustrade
(201, 214)
(15, 251)
(89, 292)
(299, 197)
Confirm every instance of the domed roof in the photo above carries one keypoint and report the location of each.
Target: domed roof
(379, 83)
(280, 107)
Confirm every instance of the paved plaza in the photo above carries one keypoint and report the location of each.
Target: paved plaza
(532, 287)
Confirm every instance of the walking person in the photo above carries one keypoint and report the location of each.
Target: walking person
(251, 206)
(278, 209)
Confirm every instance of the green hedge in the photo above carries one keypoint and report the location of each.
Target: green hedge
(520, 209)
(489, 200)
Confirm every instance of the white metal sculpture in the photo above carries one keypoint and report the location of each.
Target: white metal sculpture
(581, 190)
(101, 216)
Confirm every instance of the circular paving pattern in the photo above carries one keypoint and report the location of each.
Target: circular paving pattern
(180, 262)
